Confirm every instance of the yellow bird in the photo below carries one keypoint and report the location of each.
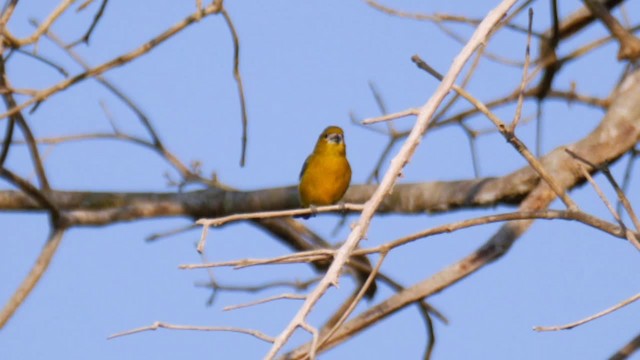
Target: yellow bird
(326, 173)
(324, 179)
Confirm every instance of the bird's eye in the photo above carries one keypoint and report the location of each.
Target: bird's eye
(333, 138)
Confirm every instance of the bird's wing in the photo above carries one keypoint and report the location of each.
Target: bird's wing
(304, 167)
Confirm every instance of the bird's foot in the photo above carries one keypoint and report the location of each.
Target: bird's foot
(343, 208)
(314, 210)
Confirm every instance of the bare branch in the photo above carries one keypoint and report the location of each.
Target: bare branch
(300, 257)
(629, 44)
(156, 325)
(267, 215)
(262, 301)
(7, 11)
(277, 214)
(589, 318)
(94, 23)
(238, 77)
(627, 350)
(38, 269)
(34, 193)
(387, 117)
(523, 82)
(24, 128)
(43, 28)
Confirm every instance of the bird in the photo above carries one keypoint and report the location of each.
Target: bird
(326, 174)
(324, 178)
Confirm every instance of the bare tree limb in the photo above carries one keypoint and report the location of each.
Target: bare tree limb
(627, 350)
(156, 325)
(238, 77)
(85, 38)
(629, 44)
(589, 318)
(38, 269)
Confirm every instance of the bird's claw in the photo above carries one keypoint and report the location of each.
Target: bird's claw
(314, 210)
(343, 208)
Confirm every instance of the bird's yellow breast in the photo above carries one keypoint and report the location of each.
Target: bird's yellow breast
(324, 180)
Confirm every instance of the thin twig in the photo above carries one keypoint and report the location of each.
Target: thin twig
(299, 257)
(268, 215)
(172, 232)
(431, 340)
(314, 336)
(471, 137)
(94, 23)
(156, 325)
(24, 128)
(280, 213)
(442, 17)
(589, 318)
(626, 179)
(8, 136)
(294, 284)
(523, 82)
(463, 84)
(238, 77)
(580, 216)
(387, 117)
(43, 60)
(630, 236)
(440, 21)
(266, 300)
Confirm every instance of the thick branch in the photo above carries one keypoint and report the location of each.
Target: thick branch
(629, 44)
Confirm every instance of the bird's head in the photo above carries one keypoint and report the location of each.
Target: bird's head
(331, 141)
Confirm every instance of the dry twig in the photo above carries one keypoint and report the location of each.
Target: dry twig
(589, 318)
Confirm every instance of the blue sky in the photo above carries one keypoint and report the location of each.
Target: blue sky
(305, 65)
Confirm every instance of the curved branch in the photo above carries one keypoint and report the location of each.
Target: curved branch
(41, 265)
